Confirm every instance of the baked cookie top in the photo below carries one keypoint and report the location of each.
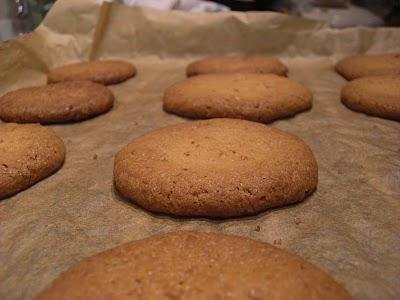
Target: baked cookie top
(56, 103)
(194, 265)
(376, 95)
(28, 153)
(256, 97)
(369, 65)
(215, 168)
(102, 71)
(237, 63)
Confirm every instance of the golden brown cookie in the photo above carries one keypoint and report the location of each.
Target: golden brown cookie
(376, 95)
(256, 97)
(103, 71)
(237, 63)
(56, 103)
(368, 65)
(215, 168)
(194, 265)
(28, 153)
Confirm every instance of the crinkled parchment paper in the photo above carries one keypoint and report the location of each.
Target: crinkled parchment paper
(349, 227)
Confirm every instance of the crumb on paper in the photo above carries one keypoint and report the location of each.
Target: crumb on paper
(95, 156)
(258, 228)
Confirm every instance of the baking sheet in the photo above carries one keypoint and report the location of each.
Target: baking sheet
(349, 227)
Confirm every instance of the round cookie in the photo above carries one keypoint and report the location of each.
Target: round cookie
(103, 71)
(194, 265)
(56, 103)
(215, 168)
(28, 153)
(237, 63)
(256, 97)
(368, 65)
(376, 95)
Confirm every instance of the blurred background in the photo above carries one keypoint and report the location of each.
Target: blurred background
(22, 16)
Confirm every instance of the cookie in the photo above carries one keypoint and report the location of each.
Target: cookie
(376, 95)
(215, 168)
(237, 63)
(28, 153)
(194, 265)
(368, 65)
(256, 97)
(103, 71)
(56, 103)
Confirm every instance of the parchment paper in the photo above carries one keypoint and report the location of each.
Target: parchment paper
(349, 227)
